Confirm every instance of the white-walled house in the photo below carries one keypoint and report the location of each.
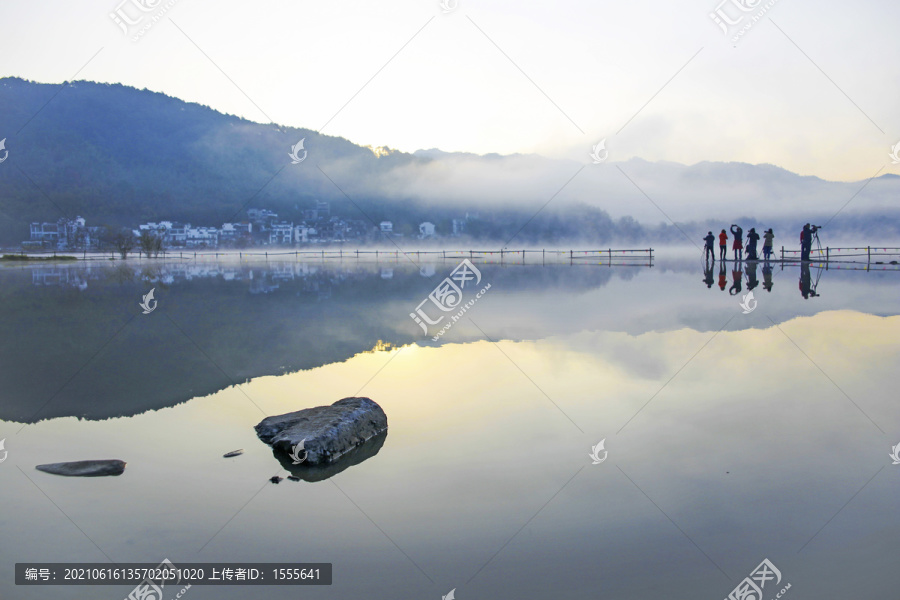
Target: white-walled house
(281, 233)
(387, 227)
(426, 230)
(204, 237)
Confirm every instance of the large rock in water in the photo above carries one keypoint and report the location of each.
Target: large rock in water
(327, 432)
(85, 468)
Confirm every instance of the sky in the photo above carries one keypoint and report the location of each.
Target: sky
(810, 86)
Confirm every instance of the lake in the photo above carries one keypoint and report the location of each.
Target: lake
(734, 430)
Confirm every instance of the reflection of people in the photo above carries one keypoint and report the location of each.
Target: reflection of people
(737, 275)
(738, 244)
(752, 238)
(807, 290)
(767, 276)
(768, 238)
(710, 239)
(752, 281)
(708, 273)
(723, 275)
(723, 245)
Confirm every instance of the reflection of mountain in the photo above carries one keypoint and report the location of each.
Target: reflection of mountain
(80, 345)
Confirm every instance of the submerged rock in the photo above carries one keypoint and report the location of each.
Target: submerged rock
(85, 468)
(322, 435)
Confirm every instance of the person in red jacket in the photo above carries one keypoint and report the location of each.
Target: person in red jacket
(738, 245)
(723, 245)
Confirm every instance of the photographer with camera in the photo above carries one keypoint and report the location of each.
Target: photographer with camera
(806, 238)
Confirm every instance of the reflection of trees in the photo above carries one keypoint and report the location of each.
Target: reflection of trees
(209, 332)
(121, 274)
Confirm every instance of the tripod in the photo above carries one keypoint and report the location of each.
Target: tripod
(820, 269)
(818, 243)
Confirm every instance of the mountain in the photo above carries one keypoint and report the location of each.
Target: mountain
(122, 156)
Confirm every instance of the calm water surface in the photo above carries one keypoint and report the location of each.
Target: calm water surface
(731, 437)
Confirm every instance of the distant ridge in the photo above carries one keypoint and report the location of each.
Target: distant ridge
(121, 156)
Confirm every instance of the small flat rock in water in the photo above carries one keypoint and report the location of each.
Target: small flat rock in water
(233, 453)
(85, 468)
(326, 432)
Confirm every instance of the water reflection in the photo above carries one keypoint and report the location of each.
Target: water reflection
(807, 286)
(737, 278)
(313, 473)
(767, 276)
(708, 274)
(752, 281)
(78, 345)
(484, 477)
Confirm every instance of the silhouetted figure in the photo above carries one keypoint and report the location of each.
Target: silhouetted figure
(807, 287)
(708, 273)
(737, 276)
(805, 243)
(710, 239)
(723, 245)
(752, 239)
(723, 275)
(738, 244)
(767, 277)
(805, 280)
(768, 239)
(752, 281)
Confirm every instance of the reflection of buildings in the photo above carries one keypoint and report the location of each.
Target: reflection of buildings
(59, 277)
(275, 277)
